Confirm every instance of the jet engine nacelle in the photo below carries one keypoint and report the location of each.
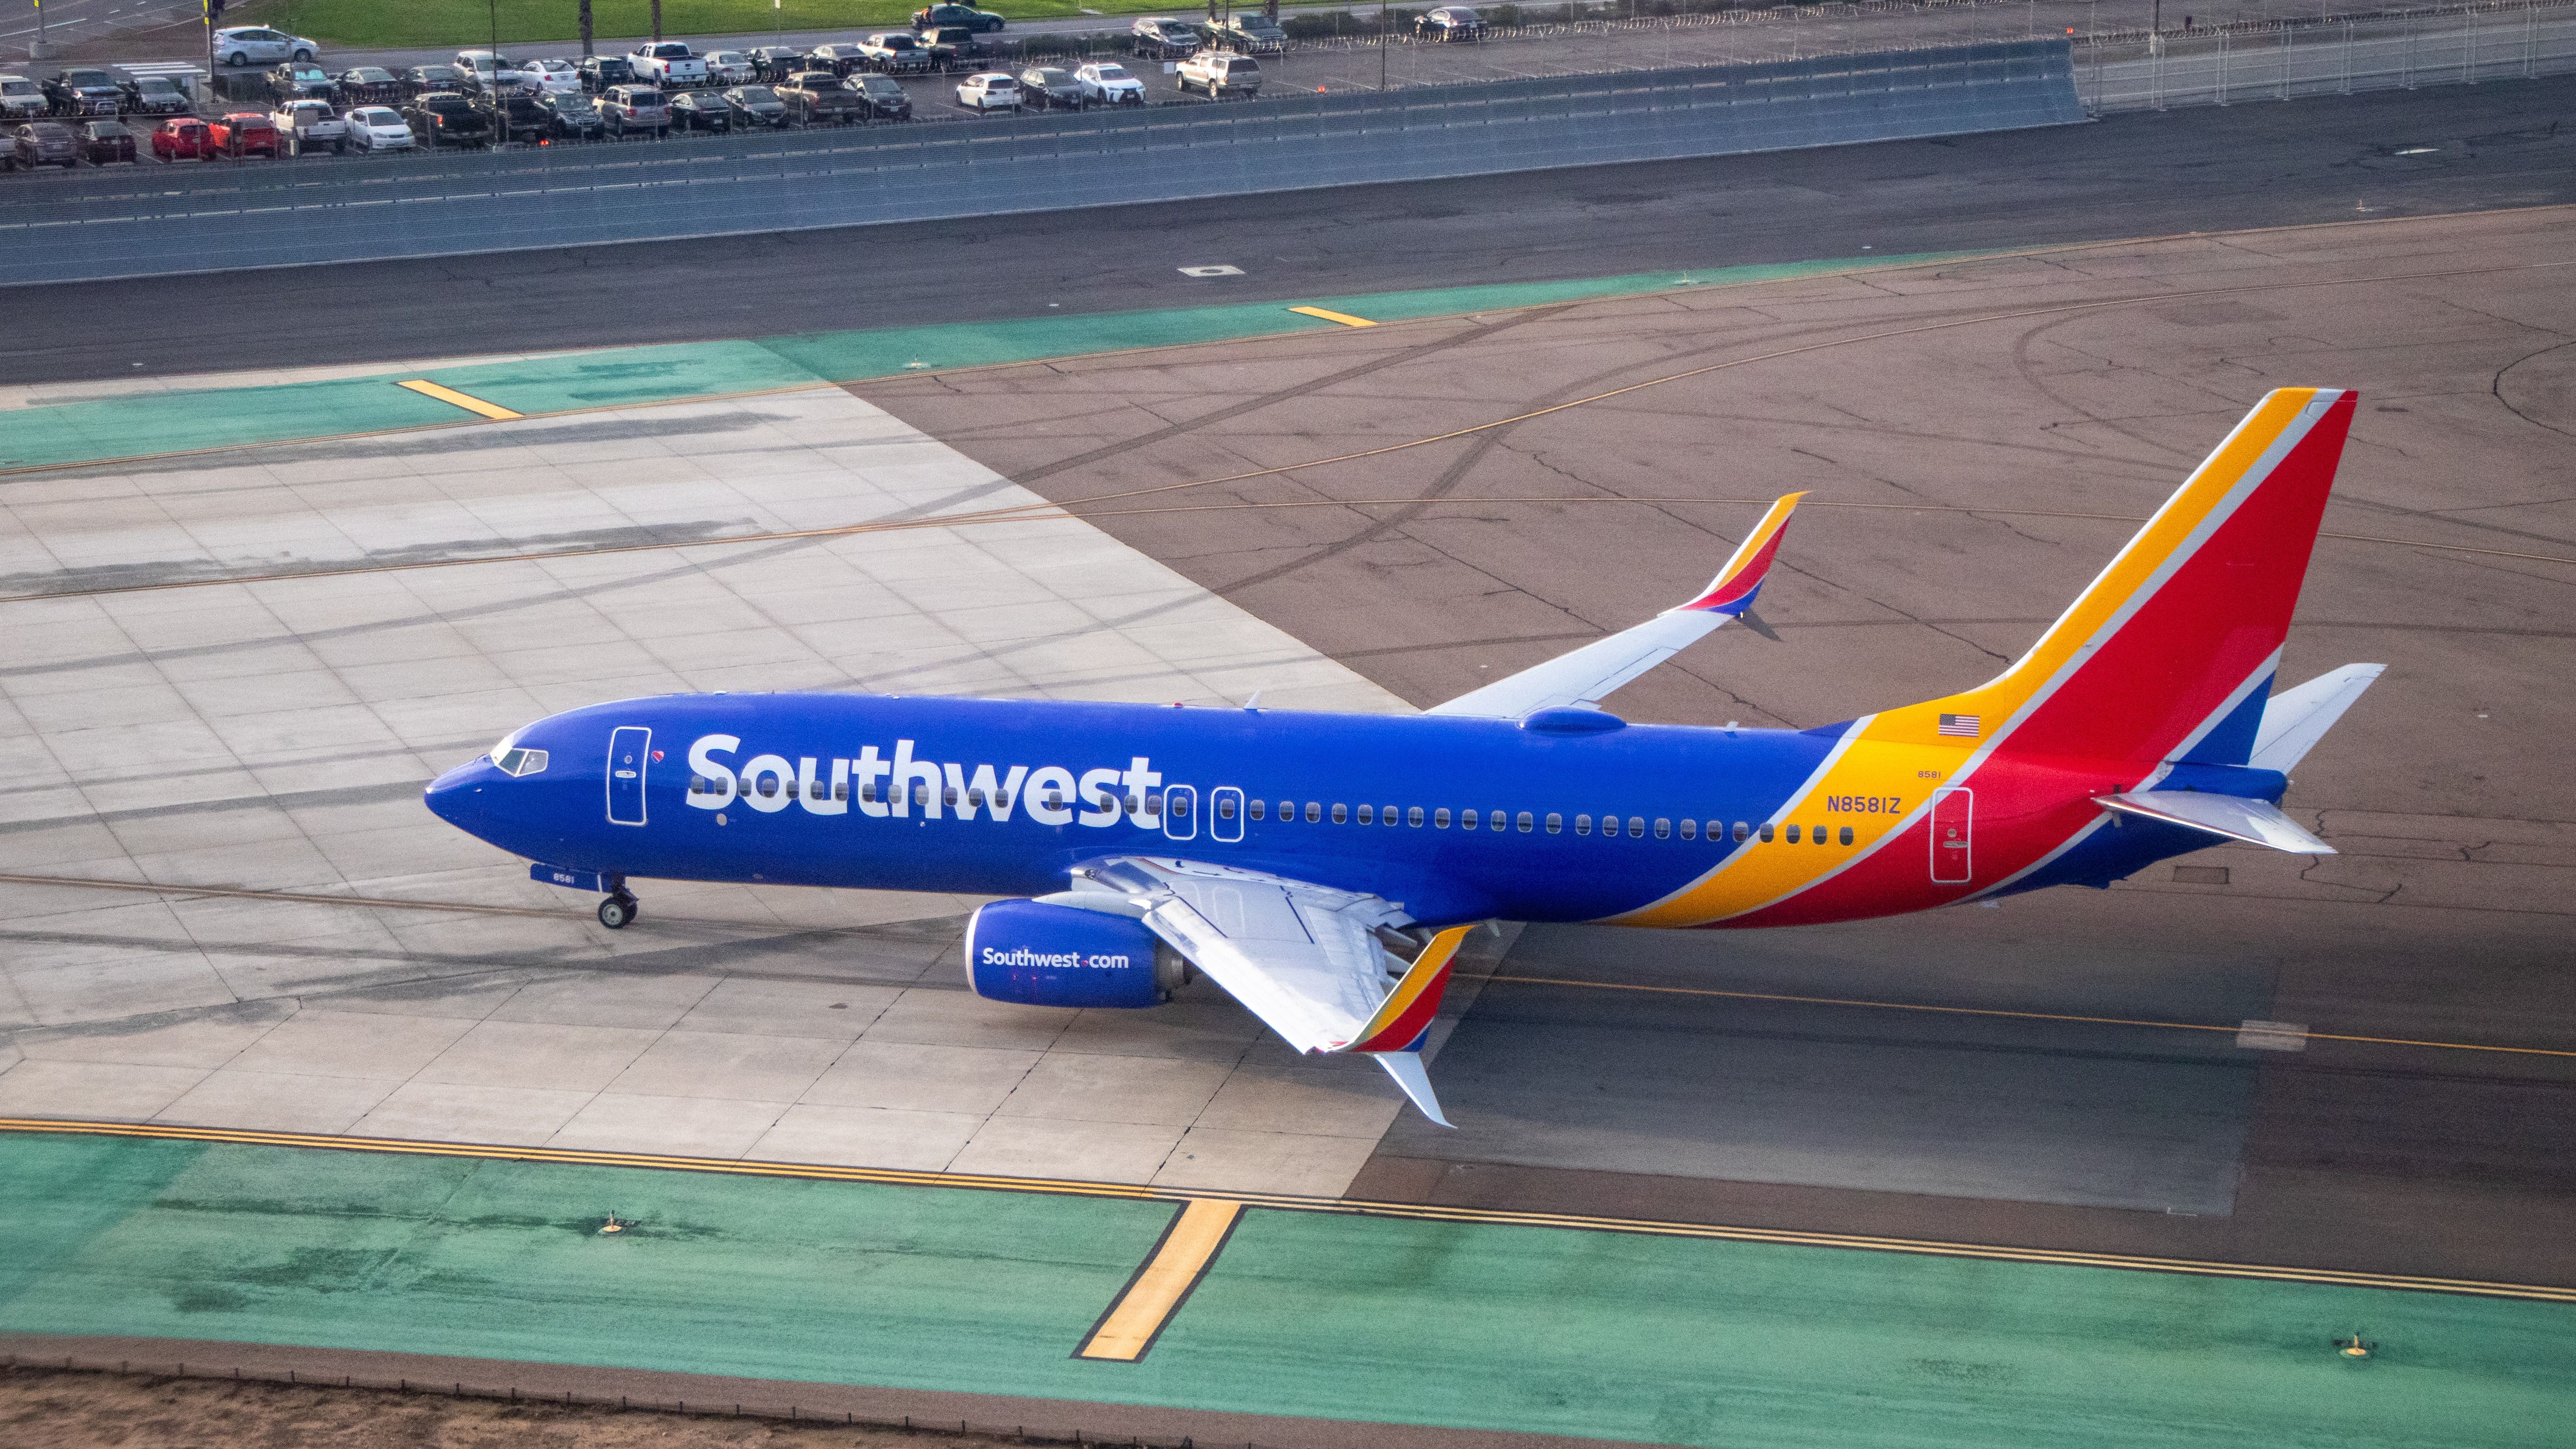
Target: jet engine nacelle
(1037, 954)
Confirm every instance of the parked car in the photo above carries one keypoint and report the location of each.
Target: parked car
(516, 116)
(699, 111)
(153, 95)
(44, 143)
(182, 137)
(21, 98)
(258, 45)
(1052, 89)
(1157, 38)
(378, 128)
(292, 82)
(755, 107)
(939, 17)
(840, 58)
(369, 85)
(245, 133)
(104, 143)
(1449, 22)
(485, 71)
(424, 78)
(84, 93)
(778, 62)
(447, 118)
(885, 96)
(600, 72)
(635, 108)
(896, 52)
(575, 116)
(954, 47)
(313, 124)
(731, 68)
(989, 91)
(668, 63)
(552, 77)
(1220, 74)
(1252, 33)
(1109, 84)
(817, 97)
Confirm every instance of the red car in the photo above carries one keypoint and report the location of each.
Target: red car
(182, 136)
(245, 133)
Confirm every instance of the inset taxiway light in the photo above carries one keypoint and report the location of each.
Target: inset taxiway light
(2353, 1347)
(612, 1225)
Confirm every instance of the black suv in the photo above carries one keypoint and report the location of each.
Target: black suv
(885, 96)
(516, 117)
(575, 116)
(445, 118)
(84, 93)
(599, 72)
(973, 19)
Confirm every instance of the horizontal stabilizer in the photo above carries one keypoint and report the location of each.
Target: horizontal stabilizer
(2295, 719)
(1406, 1068)
(2254, 822)
(1584, 677)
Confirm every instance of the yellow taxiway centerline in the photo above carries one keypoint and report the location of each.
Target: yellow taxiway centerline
(1345, 318)
(1197, 1233)
(1288, 1202)
(426, 388)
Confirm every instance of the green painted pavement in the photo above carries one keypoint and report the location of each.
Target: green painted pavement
(1676, 1340)
(149, 424)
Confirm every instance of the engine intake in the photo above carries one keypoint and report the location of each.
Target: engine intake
(1036, 954)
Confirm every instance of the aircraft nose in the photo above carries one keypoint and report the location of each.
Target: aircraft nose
(457, 796)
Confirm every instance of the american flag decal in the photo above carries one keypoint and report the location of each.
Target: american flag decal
(1960, 724)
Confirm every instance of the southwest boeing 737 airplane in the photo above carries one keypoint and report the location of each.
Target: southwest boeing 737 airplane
(1323, 868)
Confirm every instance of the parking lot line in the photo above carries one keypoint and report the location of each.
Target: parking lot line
(426, 388)
(1196, 1235)
(1345, 318)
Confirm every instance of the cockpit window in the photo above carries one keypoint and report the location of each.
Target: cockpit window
(519, 762)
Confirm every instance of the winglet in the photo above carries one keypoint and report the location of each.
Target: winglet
(1406, 1068)
(1406, 1013)
(1732, 591)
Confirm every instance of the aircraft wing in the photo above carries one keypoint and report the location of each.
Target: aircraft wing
(1586, 676)
(1304, 958)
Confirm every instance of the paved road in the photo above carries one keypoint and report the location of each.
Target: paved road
(2211, 169)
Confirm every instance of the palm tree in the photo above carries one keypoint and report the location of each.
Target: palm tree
(585, 29)
(657, 22)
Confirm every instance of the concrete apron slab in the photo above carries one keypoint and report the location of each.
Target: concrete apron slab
(273, 738)
(157, 421)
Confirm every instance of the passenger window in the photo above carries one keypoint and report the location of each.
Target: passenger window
(1225, 807)
(1287, 811)
(1847, 835)
(1153, 802)
(948, 797)
(1818, 835)
(1260, 809)
(1386, 815)
(1582, 824)
(1793, 835)
(1368, 815)
(1524, 822)
(1741, 829)
(976, 797)
(1497, 819)
(1467, 819)
(1690, 830)
(1440, 818)
(841, 791)
(868, 793)
(1314, 812)
(1555, 823)
(1663, 828)
(1766, 834)
(921, 794)
(1341, 814)
(1636, 827)
(698, 785)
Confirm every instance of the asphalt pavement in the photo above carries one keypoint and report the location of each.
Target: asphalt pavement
(2270, 164)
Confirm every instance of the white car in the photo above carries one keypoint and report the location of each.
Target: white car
(1110, 85)
(21, 98)
(494, 72)
(731, 68)
(379, 128)
(259, 45)
(553, 77)
(989, 91)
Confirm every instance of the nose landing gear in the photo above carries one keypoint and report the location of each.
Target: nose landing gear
(620, 907)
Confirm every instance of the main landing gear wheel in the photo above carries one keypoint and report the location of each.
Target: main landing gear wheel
(617, 910)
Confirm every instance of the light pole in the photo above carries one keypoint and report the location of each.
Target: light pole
(1381, 47)
(43, 49)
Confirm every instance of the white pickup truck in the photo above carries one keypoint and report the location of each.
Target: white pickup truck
(313, 125)
(668, 64)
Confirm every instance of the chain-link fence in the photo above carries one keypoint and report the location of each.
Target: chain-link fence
(2327, 55)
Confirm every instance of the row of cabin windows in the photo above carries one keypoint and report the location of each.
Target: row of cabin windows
(1314, 812)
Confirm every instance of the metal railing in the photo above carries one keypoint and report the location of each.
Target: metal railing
(2332, 55)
